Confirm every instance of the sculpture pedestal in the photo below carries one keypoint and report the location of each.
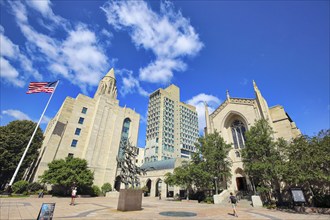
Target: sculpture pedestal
(130, 200)
(256, 201)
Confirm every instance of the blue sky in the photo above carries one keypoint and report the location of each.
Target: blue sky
(204, 47)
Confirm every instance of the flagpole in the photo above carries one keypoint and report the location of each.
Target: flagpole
(34, 132)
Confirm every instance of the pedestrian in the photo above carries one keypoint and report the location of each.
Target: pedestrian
(73, 195)
(160, 195)
(233, 201)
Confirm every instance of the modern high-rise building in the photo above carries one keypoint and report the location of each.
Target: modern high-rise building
(172, 126)
(91, 129)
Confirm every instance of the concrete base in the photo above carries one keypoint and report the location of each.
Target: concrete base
(112, 194)
(223, 196)
(256, 201)
(130, 200)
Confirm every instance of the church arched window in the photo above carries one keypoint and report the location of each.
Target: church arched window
(238, 132)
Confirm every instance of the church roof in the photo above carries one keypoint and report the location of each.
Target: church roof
(244, 101)
(159, 165)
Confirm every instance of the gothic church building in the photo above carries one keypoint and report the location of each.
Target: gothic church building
(234, 117)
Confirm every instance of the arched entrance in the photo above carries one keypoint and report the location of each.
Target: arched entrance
(240, 180)
(158, 187)
(149, 187)
(117, 183)
(241, 184)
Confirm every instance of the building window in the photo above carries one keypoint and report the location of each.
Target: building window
(74, 143)
(238, 133)
(84, 110)
(81, 120)
(77, 132)
(70, 155)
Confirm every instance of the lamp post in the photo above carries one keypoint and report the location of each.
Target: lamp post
(216, 185)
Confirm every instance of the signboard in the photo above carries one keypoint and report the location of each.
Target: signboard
(46, 211)
(298, 195)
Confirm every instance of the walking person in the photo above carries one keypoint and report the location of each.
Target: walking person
(233, 201)
(73, 195)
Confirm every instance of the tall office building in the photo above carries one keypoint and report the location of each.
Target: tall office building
(91, 129)
(172, 126)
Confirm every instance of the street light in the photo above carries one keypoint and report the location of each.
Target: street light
(216, 185)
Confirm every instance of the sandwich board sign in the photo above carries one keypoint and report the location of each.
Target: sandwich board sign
(46, 211)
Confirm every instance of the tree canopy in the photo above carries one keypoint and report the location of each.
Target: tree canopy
(209, 161)
(308, 162)
(262, 159)
(14, 138)
(302, 161)
(64, 173)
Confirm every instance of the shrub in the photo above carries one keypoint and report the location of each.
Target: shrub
(95, 191)
(322, 201)
(209, 200)
(34, 187)
(20, 186)
(106, 188)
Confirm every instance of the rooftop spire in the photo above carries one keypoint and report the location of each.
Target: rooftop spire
(107, 85)
(227, 94)
(111, 73)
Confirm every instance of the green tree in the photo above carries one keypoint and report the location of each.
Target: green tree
(181, 177)
(309, 162)
(20, 186)
(14, 138)
(262, 159)
(211, 156)
(208, 162)
(106, 187)
(63, 173)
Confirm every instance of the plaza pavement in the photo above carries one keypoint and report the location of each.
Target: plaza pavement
(106, 208)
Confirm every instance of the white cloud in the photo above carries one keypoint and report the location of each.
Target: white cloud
(130, 84)
(42, 6)
(161, 70)
(79, 57)
(9, 73)
(198, 101)
(168, 35)
(16, 114)
(19, 115)
(11, 53)
(45, 120)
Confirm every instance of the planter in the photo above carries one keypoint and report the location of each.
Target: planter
(130, 200)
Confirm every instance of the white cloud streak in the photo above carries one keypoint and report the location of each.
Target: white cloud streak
(168, 35)
(130, 84)
(10, 53)
(19, 115)
(198, 101)
(16, 114)
(79, 57)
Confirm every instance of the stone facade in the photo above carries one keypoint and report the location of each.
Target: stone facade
(91, 129)
(235, 116)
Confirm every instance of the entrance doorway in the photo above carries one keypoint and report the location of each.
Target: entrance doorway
(149, 188)
(241, 183)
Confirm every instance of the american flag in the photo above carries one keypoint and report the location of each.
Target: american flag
(36, 87)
